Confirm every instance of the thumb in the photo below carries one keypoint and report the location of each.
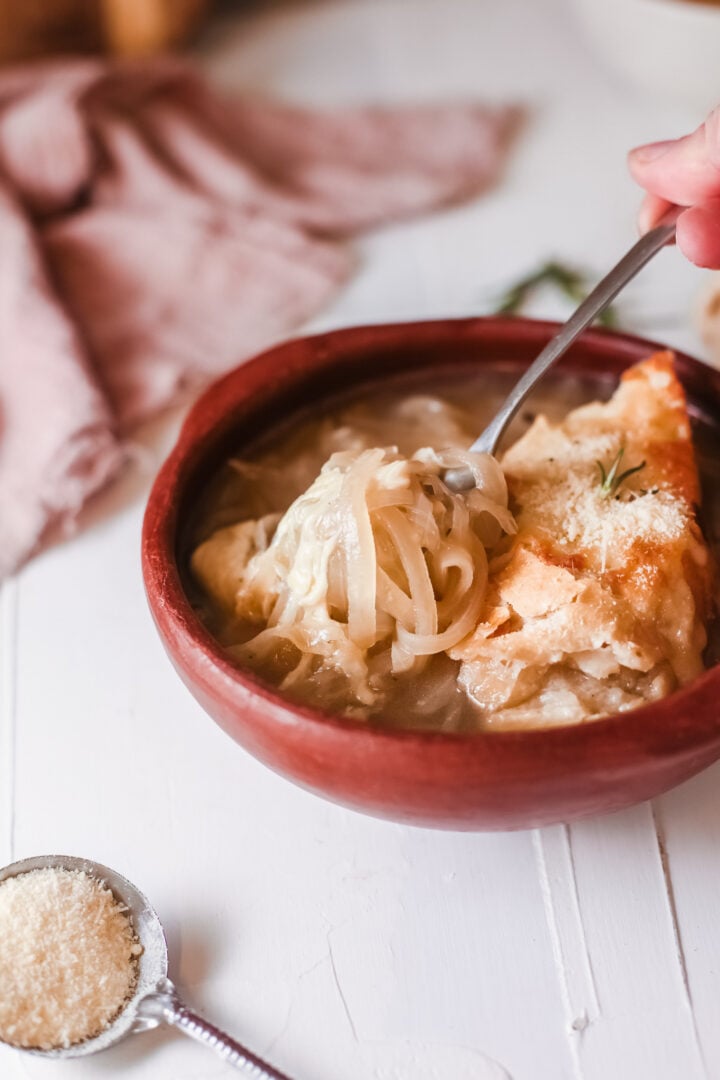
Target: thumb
(683, 171)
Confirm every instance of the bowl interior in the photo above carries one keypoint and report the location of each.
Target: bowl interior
(512, 779)
(456, 380)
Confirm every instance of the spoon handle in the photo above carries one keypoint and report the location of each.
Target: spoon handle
(164, 1005)
(596, 302)
(231, 1051)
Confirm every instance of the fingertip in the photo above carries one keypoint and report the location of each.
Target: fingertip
(682, 170)
(641, 156)
(651, 210)
(698, 235)
(635, 167)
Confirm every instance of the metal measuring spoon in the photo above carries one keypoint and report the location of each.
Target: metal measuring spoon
(155, 1000)
(462, 479)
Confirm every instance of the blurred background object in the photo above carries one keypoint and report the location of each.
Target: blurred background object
(34, 28)
(667, 48)
(707, 318)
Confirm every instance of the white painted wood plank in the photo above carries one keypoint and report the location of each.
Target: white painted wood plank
(689, 826)
(468, 946)
(628, 1010)
(573, 964)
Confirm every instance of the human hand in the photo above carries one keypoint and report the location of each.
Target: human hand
(685, 172)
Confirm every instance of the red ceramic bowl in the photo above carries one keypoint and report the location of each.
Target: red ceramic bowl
(493, 780)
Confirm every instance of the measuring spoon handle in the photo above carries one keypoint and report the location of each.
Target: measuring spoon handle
(165, 1005)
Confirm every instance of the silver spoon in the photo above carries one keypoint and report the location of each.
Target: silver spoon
(461, 479)
(155, 1000)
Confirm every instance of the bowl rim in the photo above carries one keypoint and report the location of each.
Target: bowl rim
(653, 726)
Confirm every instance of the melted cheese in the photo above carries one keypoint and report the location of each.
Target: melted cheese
(602, 600)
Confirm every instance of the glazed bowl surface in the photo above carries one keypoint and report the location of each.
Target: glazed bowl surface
(489, 780)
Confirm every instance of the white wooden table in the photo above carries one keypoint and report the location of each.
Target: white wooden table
(342, 947)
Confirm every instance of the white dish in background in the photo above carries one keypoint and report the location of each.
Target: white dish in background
(668, 48)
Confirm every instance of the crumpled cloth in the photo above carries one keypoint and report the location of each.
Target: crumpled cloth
(154, 232)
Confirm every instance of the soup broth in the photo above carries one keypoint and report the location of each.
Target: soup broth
(410, 412)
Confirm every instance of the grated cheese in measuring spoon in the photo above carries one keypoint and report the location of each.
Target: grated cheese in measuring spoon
(68, 958)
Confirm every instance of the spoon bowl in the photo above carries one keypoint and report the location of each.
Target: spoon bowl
(155, 1000)
(152, 963)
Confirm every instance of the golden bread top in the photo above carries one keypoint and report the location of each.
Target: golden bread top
(610, 582)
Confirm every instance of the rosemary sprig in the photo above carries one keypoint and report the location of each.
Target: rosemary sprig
(611, 479)
(572, 283)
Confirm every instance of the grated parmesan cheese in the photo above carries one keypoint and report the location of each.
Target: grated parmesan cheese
(68, 958)
(562, 490)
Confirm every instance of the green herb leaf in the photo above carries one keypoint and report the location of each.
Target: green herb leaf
(567, 280)
(611, 479)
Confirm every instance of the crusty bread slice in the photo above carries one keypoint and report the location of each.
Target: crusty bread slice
(603, 599)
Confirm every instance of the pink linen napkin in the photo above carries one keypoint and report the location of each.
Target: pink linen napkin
(154, 232)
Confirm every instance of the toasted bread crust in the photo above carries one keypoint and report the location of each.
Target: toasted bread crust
(610, 587)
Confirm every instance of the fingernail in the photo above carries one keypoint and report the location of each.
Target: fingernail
(652, 151)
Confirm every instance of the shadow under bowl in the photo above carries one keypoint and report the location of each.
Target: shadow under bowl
(489, 780)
